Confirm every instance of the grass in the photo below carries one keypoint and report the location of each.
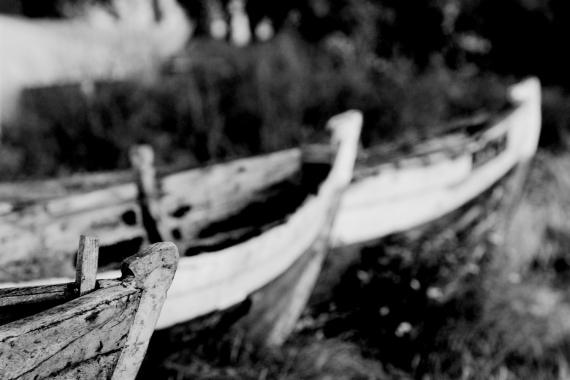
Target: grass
(218, 101)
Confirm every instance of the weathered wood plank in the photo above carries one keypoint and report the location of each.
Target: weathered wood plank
(153, 271)
(97, 339)
(195, 198)
(142, 160)
(18, 303)
(33, 294)
(22, 235)
(36, 191)
(108, 328)
(100, 367)
(26, 343)
(86, 267)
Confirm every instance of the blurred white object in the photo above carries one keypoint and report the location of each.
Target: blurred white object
(95, 45)
(240, 33)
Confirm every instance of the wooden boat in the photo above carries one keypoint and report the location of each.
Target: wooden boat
(417, 229)
(87, 329)
(391, 195)
(242, 237)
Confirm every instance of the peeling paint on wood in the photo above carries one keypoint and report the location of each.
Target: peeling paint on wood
(101, 335)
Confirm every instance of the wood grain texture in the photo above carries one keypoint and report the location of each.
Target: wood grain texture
(86, 267)
(52, 227)
(194, 199)
(43, 190)
(33, 294)
(153, 271)
(101, 335)
(142, 160)
(18, 303)
(27, 343)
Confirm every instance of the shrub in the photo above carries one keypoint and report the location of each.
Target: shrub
(219, 101)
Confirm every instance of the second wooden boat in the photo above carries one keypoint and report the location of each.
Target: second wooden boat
(391, 195)
(253, 230)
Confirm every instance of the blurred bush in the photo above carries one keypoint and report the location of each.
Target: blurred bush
(217, 101)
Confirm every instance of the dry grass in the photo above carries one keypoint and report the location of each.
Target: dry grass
(314, 359)
(523, 328)
(541, 225)
(219, 101)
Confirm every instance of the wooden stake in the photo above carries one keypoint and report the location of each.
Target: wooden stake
(86, 266)
(142, 160)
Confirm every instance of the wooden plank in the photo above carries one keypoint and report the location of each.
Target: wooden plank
(27, 343)
(105, 332)
(86, 267)
(142, 159)
(12, 296)
(100, 367)
(399, 182)
(153, 271)
(21, 236)
(51, 226)
(40, 191)
(97, 339)
(195, 198)
(91, 200)
(18, 303)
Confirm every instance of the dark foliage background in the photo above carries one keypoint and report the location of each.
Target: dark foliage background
(390, 59)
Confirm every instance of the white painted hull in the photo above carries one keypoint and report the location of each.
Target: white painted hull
(407, 194)
(392, 200)
(211, 281)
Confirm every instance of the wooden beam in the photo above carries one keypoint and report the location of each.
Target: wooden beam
(86, 266)
(142, 161)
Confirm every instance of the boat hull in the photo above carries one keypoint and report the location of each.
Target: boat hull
(375, 286)
(397, 196)
(266, 317)
(85, 330)
(221, 276)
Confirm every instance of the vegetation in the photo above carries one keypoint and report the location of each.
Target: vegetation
(218, 101)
